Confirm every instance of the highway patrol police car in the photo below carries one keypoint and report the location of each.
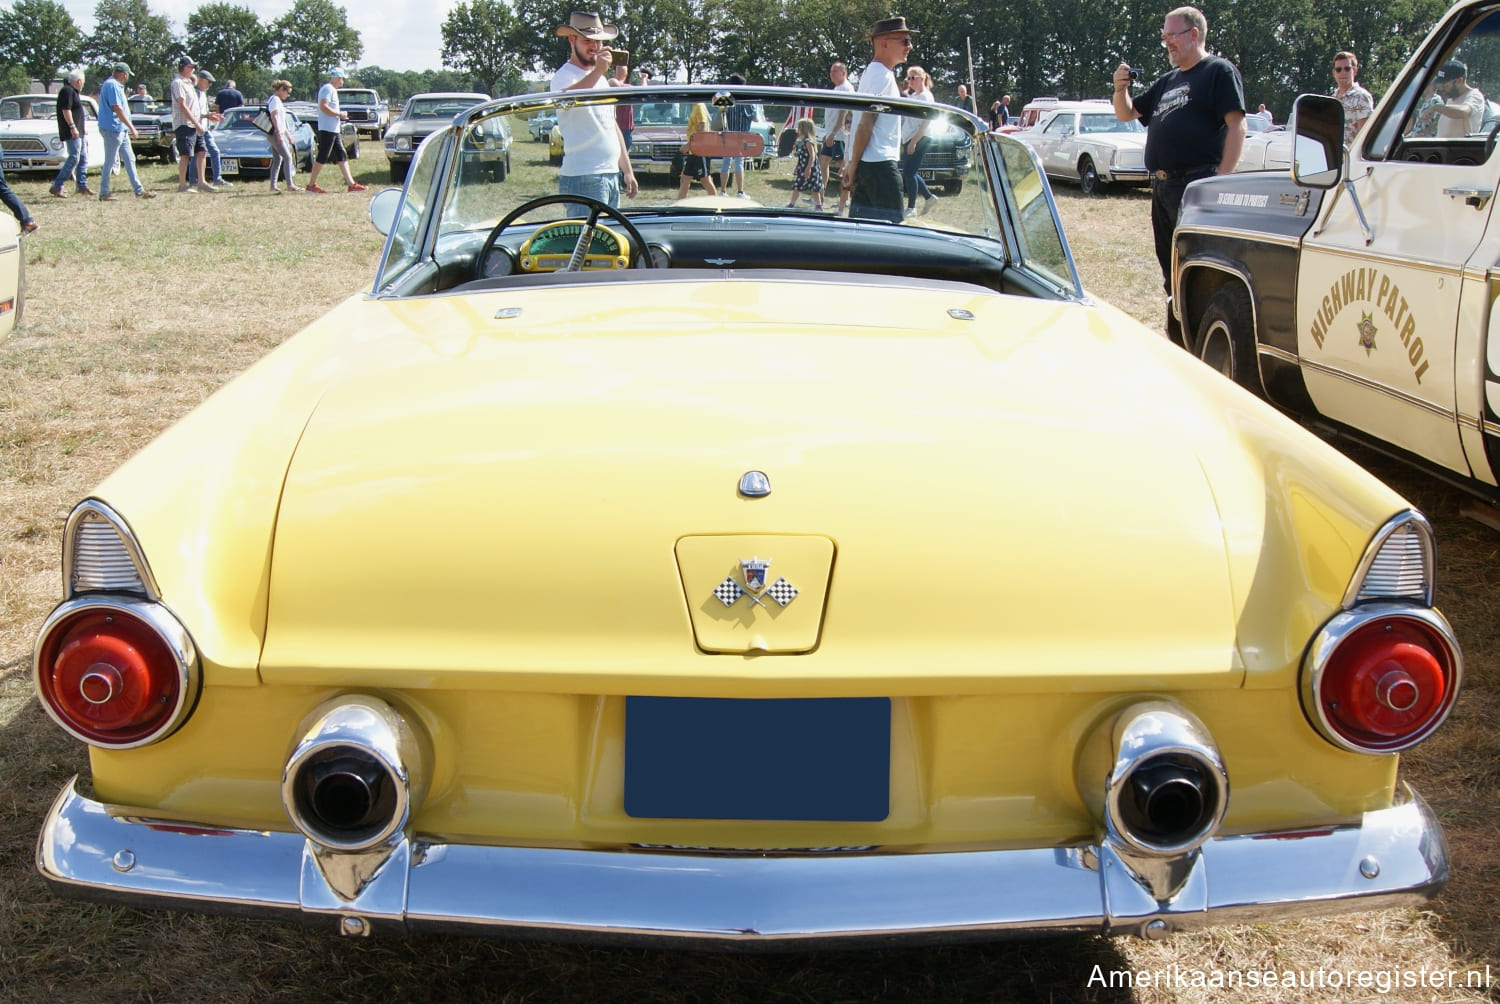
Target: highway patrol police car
(1362, 292)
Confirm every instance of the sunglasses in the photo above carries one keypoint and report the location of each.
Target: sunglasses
(906, 42)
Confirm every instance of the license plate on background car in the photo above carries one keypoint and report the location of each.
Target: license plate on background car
(726, 758)
(229, 165)
(11, 165)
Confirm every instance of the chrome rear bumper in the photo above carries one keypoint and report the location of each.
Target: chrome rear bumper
(1392, 857)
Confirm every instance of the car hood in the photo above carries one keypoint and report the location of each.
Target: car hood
(514, 493)
(243, 142)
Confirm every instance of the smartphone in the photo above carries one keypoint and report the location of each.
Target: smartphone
(619, 57)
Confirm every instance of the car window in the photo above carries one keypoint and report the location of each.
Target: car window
(1041, 244)
(1108, 122)
(1444, 114)
(404, 246)
(444, 108)
(1060, 124)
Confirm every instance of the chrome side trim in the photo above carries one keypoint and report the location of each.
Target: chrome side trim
(1345, 623)
(749, 901)
(88, 563)
(1376, 561)
(1389, 391)
(166, 626)
(1257, 236)
(1277, 353)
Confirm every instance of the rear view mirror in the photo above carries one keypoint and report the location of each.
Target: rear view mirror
(1318, 141)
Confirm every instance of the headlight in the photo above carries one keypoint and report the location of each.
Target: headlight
(56, 144)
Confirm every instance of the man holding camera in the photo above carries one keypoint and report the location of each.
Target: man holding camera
(1195, 121)
(596, 161)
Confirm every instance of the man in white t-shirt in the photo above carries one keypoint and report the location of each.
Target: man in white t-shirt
(595, 159)
(835, 132)
(872, 169)
(1459, 108)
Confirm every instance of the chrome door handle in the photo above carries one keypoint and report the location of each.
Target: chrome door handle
(1475, 197)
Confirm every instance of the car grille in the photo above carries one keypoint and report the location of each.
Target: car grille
(361, 115)
(943, 158)
(22, 144)
(1130, 158)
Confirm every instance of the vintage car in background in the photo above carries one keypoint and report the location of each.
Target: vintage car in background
(1083, 142)
(425, 114)
(245, 151)
(661, 129)
(1268, 146)
(540, 125)
(720, 571)
(307, 111)
(367, 110)
(1031, 113)
(146, 115)
(28, 135)
(1359, 293)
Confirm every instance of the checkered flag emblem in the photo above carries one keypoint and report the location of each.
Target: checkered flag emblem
(782, 591)
(729, 591)
(753, 587)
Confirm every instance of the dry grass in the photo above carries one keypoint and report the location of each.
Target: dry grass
(139, 310)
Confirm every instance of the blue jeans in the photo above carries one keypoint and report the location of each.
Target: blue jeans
(213, 161)
(911, 163)
(603, 187)
(117, 143)
(76, 165)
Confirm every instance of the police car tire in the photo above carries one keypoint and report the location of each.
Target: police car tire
(1226, 336)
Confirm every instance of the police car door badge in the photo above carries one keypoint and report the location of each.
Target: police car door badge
(752, 585)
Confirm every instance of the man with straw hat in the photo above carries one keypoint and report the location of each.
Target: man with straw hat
(872, 169)
(595, 158)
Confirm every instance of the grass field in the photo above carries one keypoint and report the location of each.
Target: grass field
(138, 310)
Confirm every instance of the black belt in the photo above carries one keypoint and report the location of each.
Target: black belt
(1192, 172)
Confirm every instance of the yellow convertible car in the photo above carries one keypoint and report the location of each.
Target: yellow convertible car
(730, 570)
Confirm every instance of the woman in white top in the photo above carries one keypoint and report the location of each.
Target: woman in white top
(283, 159)
(914, 142)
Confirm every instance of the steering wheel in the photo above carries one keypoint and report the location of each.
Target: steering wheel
(585, 238)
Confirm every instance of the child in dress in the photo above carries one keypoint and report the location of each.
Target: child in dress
(805, 175)
(695, 167)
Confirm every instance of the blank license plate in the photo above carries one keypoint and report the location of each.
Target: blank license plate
(725, 758)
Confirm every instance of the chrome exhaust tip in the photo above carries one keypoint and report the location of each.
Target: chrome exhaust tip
(1154, 776)
(355, 777)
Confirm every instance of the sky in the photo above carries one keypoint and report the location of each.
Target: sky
(398, 34)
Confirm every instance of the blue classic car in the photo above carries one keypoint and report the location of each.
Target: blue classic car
(246, 150)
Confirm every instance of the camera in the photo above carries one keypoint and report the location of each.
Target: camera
(1135, 74)
(619, 57)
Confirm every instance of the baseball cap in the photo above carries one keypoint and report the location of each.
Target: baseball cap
(335, 72)
(121, 67)
(185, 62)
(1452, 70)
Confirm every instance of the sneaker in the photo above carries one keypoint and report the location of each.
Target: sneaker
(208, 190)
(186, 190)
(742, 195)
(355, 186)
(908, 214)
(58, 192)
(107, 197)
(927, 203)
(315, 190)
(145, 193)
(221, 183)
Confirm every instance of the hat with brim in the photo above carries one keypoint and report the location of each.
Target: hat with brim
(586, 25)
(121, 68)
(335, 72)
(890, 26)
(185, 62)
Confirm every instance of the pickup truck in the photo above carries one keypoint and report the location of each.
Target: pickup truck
(1360, 291)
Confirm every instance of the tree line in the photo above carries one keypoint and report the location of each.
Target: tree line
(1027, 48)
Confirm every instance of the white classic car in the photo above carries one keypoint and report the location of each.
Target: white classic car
(1268, 147)
(1084, 141)
(28, 134)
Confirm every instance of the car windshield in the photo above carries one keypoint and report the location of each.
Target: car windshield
(777, 146)
(242, 117)
(1109, 123)
(27, 107)
(439, 108)
(357, 96)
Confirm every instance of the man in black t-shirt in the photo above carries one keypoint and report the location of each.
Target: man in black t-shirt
(1195, 121)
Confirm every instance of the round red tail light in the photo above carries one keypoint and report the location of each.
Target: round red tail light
(1383, 681)
(115, 676)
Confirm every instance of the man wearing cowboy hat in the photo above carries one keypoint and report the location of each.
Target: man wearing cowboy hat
(595, 157)
(872, 169)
